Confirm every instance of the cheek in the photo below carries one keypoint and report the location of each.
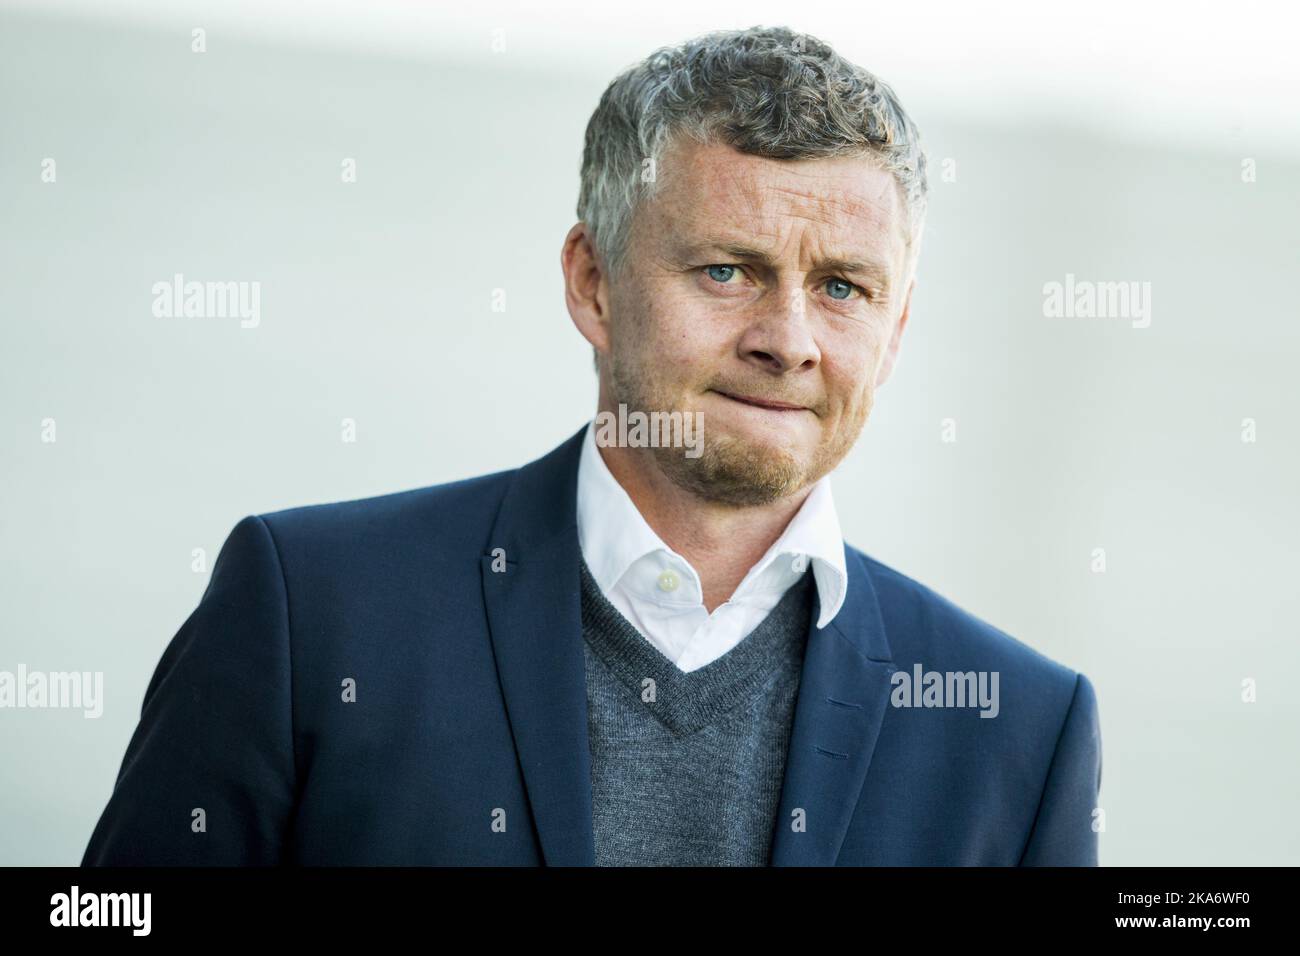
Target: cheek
(874, 341)
(684, 336)
(849, 369)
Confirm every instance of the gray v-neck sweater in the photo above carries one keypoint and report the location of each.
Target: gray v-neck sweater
(687, 768)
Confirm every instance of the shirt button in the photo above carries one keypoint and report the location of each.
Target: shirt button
(668, 581)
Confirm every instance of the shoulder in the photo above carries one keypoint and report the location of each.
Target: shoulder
(455, 516)
(924, 627)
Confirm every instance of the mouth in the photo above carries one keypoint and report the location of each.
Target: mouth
(766, 403)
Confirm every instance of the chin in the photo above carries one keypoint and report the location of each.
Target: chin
(737, 469)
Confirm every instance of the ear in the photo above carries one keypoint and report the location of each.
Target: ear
(586, 287)
(891, 353)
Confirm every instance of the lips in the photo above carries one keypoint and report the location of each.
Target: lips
(767, 403)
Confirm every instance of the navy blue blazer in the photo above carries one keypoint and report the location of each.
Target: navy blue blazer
(466, 742)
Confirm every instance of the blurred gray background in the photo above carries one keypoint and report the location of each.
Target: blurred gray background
(1072, 434)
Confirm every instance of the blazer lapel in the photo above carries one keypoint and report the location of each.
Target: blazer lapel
(843, 692)
(535, 619)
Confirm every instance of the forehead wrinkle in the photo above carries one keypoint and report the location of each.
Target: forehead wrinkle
(718, 168)
(773, 235)
(736, 200)
(772, 202)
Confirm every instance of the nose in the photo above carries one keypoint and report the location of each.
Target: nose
(780, 338)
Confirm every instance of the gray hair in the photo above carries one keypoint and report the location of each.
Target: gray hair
(766, 91)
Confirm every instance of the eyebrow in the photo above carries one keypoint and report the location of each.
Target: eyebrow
(869, 267)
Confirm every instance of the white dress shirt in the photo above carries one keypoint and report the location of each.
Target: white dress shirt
(659, 592)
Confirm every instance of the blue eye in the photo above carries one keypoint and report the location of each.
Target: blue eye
(848, 288)
(722, 273)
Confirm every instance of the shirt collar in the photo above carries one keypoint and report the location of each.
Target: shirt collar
(613, 534)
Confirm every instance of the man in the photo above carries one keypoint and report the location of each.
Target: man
(650, 646)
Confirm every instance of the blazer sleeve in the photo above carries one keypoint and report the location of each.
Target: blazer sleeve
(209, 774)
(1063, 833)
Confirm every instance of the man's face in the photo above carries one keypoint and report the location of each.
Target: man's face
(732, 304)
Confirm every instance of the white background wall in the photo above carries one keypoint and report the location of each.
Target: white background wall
(1105, 142)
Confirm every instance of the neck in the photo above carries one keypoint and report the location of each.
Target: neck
(722, 542)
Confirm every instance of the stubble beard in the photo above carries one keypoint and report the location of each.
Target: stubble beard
(730, 469)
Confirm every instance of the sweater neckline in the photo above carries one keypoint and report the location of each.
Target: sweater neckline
(688, 701)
